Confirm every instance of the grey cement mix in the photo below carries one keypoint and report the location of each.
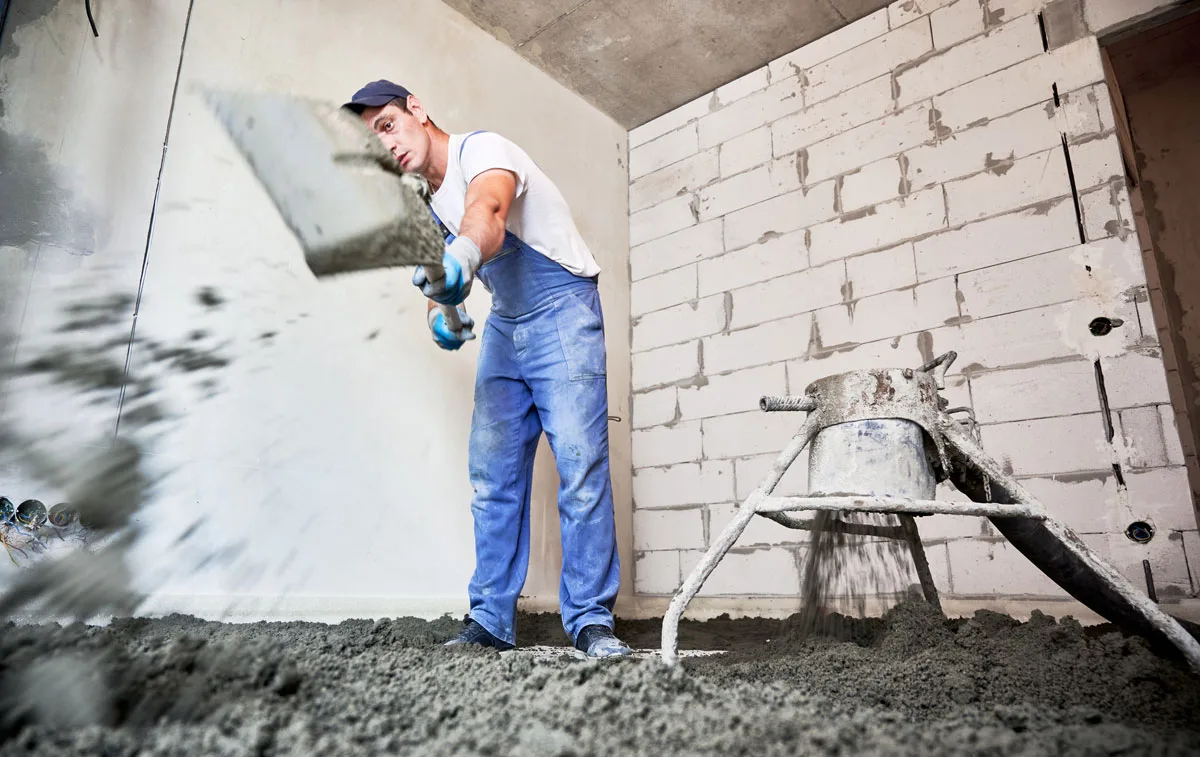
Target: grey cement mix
(912, 682)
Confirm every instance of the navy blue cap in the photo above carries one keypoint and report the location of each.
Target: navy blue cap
(376, 94)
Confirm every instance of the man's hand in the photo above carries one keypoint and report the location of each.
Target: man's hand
(445, 338)
(460, 262)
(480, 237)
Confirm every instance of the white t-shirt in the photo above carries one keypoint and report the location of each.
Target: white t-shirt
(539, 214)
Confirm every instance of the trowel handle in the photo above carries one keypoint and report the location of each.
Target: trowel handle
(453, 322)
(435, 271)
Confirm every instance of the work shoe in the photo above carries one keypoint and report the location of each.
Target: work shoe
(599, 641)
(473, 633)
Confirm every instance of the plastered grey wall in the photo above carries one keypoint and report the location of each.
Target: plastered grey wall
(328, 462)
(940, 175)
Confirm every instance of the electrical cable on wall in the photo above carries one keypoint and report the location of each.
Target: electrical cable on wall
(87, 6)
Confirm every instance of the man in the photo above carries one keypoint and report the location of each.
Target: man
(542, 364)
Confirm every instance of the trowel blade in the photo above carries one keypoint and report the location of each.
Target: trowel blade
(335, 185)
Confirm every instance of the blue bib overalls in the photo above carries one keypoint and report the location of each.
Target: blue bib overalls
(542, 367)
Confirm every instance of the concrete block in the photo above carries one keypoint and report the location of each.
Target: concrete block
(1050, 445)
(780, 215)
(750, 112)
(956, 22)
(749, 573)
(788, 295)
(872, 184)
(1171, 437)
(1107, 16)
(854, 107)
(1039, 391)
(934, 528)
(1190, 541)
(1076, 65)
(736, 392)
(750, 265)
(668, 529)
(654, 408)
(826, 358)
(759, 532)
(746, 151)
(1007, 45)
(662, 291)
(1079, 113)
(1013, 339)
(681, 323)
(1043, 228)
(745, 189)
(1001, 11)
(661, 219)
(1135, 379)
(877, 227)
(889, 314)
(1008, 185)
(665, 365)
(694, 243)
(1100, 216)
(878, 272)
(684, 484)
(983, 568)
(1142, 438)
(905, 11)
(1083, 501)
(656, 573)
(666, 446)
(1021, 284)
(1168, 562)
(848, 37)
(1063, 21)
(991, 146)
(751, 471)
(757, 79)
(663, 151)
(867, 61)
(768, 343)
(1008, 90)
(671, 121)
(751, 433)
(1097, 162)
(683, 177)
(864, 144)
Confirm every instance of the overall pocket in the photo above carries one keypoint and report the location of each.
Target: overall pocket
(581, 333)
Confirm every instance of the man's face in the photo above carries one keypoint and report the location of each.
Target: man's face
(402, 133)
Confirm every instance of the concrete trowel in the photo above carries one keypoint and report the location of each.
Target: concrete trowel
(340, 191)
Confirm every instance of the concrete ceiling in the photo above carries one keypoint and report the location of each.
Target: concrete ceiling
(638, 59)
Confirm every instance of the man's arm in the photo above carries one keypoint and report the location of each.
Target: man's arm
(480, 236)
(489, 197)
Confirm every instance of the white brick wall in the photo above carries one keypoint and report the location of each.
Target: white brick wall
(889, 192)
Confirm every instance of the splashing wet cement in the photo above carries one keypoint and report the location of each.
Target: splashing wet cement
(85, 359)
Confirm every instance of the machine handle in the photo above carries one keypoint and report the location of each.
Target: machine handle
(770, 404)
(452, 320)
(435, 271)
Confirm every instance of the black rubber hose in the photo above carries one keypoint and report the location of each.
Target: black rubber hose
(87, 6)
(1043, 549)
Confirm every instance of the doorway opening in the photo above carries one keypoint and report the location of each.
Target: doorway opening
(1154, 77)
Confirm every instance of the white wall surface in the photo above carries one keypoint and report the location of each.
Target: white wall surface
(331, 460)
(892, 191)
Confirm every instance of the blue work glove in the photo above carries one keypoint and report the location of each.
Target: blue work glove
(445, 338)
(461, 260)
